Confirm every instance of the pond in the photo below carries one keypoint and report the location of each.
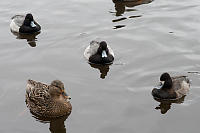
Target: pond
(148, 38)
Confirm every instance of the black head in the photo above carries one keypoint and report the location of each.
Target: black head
(103, 45)
(103, 50)
(28, 21)
(29, 16)
(29, 25)
(164, 77)
(167, 81)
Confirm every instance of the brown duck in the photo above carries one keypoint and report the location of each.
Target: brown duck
(171, 88)
(47, 100)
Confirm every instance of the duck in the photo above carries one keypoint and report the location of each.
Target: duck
(99, 53)
(49, 101)
(171, 88)
(24, 24)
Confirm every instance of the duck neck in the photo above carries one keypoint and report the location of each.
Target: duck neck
(167, 85)
(27, 22)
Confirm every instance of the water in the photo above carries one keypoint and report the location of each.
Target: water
(147, 39)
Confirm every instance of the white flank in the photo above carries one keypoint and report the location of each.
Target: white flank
(16, 22)
(14, 27)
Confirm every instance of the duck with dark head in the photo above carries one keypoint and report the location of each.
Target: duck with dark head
(171, 88)
(24, 24)
(99, 53)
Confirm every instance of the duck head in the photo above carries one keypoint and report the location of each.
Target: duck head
(162, 90)
(103, 50)
(165, 81)
(58, 89)
(29, 21)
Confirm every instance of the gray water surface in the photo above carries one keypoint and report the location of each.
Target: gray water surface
(148, 38)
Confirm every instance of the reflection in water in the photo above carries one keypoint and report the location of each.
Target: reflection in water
(165, 105)
(135, 16)
(31, 38)
(119, 26)
(120, 19)
(102, 68)
(57, 125)
(120, 5)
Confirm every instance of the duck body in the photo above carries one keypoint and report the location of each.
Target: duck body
(47, 100)
(171, 88)
(24, 24)
(99, 53)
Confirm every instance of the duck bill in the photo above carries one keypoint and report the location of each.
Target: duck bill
(160, 85)
(65, 95)
(33, 24)
(104, 55)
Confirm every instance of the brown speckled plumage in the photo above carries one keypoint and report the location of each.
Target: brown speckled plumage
(47, 100)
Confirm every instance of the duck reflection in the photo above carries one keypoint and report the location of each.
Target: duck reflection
(165, 105)
(102, 68)
(120, 5)
(31, 38)
(56, 125)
